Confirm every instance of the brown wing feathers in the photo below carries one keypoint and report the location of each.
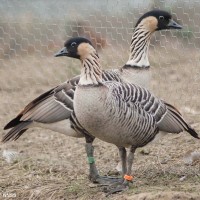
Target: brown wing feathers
(19, 127)
(31, 105)
(46, 108)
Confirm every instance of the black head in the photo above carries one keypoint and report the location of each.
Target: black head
(72, 47)
(158, 20)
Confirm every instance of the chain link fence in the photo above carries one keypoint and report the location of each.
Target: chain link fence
(31, 32)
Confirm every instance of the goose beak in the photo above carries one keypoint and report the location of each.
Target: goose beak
(174, 25)
(62, 52)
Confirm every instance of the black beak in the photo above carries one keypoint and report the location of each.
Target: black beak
(62, 52)
(174, 25)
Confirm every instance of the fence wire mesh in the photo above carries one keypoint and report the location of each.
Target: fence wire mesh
(32, 31)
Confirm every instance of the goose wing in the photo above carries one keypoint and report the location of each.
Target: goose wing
(134, 95)
(167, 117)
(52, 106)
(124, 107)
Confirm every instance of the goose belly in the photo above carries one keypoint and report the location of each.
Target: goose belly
(89, 110)
(93, 114)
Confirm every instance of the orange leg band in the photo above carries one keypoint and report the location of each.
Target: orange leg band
(128, 178)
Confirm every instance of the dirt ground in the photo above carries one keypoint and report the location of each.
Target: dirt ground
(53, 166)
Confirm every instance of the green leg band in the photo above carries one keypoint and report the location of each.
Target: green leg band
(91, 160)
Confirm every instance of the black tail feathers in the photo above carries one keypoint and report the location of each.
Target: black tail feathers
(13, 122)
(193, 133)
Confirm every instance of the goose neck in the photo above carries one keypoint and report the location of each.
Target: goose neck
(91, 73)
(139, 48)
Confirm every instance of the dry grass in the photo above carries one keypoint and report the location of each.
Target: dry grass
(52, 166)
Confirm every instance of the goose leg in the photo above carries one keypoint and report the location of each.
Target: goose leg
(118, 187)
(93, 172)
(123, 156)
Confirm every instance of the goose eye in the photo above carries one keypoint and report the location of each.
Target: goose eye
(161, 18)
(73, 44)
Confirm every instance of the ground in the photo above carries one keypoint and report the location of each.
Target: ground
(53, 166)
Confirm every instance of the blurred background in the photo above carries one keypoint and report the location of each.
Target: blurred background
(31, 32)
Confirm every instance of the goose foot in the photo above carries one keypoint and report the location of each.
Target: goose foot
(116, 187)
(107, 180)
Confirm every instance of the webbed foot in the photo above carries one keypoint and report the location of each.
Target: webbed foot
(116, 187)
(107, 180)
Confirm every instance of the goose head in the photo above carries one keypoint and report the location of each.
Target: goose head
(78, 47)
(156, 20)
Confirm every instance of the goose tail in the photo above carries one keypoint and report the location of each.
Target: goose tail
(177, 117)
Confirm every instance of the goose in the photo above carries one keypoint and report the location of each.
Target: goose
(123, 114)
(48, 112)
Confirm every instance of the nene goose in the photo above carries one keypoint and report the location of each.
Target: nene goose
(120, 113)
(48, 112)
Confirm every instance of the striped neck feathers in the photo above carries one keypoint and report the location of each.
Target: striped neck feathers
(139, 47)
(91, 73)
